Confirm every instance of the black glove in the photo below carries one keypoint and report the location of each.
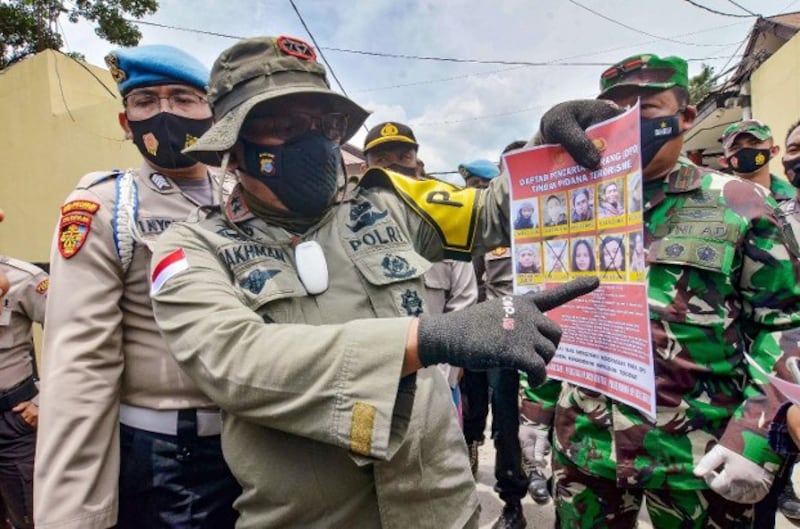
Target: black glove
(509, 332)
(565, 124)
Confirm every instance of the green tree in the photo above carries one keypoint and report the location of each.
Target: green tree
(701, 84)
(30, 26)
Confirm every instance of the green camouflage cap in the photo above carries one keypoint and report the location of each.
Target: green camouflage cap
(261, 69)
(757, 129)
(645, 71)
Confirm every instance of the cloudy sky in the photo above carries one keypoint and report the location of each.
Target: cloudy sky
(476, 102)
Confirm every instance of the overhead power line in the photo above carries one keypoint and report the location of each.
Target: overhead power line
(434, 58)
(740, 6)
(701, 6)
(637, 30)
(322, 55)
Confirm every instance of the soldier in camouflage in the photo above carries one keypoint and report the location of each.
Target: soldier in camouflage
(723, 280)
(748, 147)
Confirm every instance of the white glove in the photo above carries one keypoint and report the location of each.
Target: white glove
(534, 440)
(739, 480)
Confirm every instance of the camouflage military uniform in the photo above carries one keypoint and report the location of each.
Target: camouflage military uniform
(721, 281)
(780, 189)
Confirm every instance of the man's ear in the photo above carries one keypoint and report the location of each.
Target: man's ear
(123, 122)
(723, 162)
(362, 168)
(687, 117)
(774, 150)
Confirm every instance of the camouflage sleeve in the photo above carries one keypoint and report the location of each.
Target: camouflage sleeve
(538, 404)
(769, 285)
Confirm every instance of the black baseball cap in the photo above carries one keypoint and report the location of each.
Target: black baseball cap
(389, 132)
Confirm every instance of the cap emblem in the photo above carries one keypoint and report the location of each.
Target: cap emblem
(113, 67)
(389, 130)
(296, 48)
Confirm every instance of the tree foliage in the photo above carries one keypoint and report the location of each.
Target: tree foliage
(30, 26)
(701, 84)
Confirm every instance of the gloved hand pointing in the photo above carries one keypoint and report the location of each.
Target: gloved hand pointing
(509, 332)
(566, 122)
(738, 480)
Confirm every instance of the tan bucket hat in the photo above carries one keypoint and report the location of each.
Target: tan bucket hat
(261, 69)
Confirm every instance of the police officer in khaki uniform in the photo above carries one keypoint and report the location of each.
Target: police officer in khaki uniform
(22, 303)
(296, 312)
(126, 437)
(449, 285)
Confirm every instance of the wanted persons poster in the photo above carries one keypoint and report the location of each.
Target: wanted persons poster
(568, 221)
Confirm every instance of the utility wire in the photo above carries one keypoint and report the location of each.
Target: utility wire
(740, 6)
(659, 37)
(492, 72)
(452, 59)
(701, 6)
(322, 55)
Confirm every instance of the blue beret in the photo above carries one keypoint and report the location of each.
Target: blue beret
(481, 168)
(155, 65)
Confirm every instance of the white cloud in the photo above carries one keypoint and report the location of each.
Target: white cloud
(484, 106)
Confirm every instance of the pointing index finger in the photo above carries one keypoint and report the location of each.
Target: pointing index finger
(554, 297)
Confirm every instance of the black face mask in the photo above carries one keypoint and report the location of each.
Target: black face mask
(748, 160)
(655, 133)
(302, 172)
(792, 165)
(161, 138)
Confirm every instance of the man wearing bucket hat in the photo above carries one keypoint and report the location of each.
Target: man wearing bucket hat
(723, 280)
(303, 316)
(126, 438)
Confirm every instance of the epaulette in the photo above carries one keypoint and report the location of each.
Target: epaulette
(23, 266)
(449, 209)
(97, 177)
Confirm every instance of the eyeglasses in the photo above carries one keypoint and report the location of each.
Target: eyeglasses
(146, 104)
(287, 126)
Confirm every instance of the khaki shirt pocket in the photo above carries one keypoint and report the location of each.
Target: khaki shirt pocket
(269, 287)
(393, 281)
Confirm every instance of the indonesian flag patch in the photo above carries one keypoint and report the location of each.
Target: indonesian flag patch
(75, 225)
(174, 263)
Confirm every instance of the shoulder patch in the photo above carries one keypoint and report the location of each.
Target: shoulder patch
(451, 210)
(42, 287)
(73, 229)
(86, 206)
(172, 264)
(75, 225)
